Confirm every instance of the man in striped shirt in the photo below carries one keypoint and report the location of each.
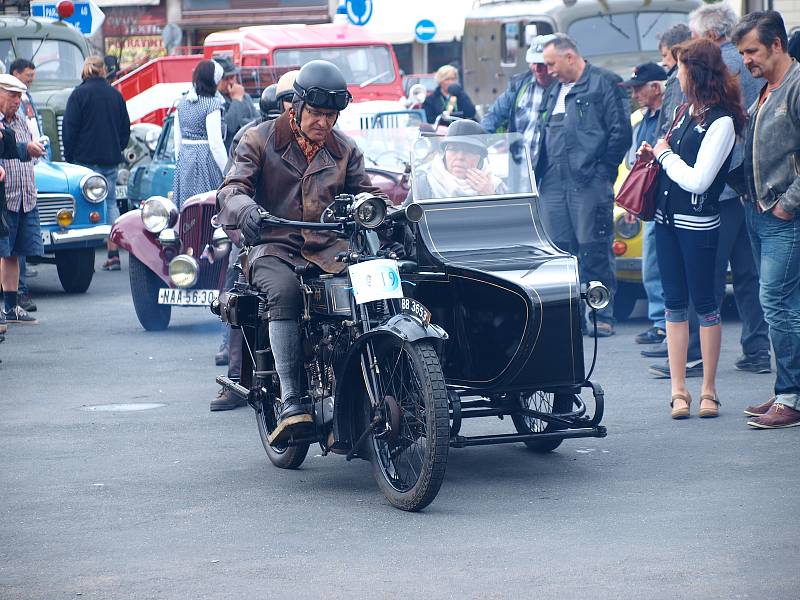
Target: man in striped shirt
(24, 237)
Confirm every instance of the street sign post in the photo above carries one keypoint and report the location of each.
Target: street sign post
(87, 18)
(425, 31)
(359, 12)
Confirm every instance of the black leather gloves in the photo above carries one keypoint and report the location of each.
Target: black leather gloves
(395, 248)
(250, 224)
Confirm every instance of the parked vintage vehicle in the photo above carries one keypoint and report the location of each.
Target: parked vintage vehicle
(484, 322)
(615, 34)
(72, 212)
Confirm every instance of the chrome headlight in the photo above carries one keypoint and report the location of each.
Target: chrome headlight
(158, 213)
(625, 230)
(94, 187)
(221, 242)
(369, 211)
(183, 271)
(597, 295)
(168, 237)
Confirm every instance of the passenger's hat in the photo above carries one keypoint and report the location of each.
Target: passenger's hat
(10, 83)
(646, 73)
(535, 53)
(228, 68)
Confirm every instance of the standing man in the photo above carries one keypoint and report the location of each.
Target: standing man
(239, 109)
(25, 71)
(96, 130)
(22, 216)
(519, 107)
(647, 89)
(771, 154)
(587, 131)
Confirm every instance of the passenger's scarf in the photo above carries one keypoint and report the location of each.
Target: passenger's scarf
(308, 147)
(446, 185)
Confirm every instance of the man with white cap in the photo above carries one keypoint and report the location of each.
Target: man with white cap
(22, 216)
(518, 108)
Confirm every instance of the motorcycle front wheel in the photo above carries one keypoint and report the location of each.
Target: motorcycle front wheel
(408, 401)
(280, 455)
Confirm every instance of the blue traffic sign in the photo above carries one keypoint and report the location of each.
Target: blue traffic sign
(359, 12)
(425, 30)
(87, 17)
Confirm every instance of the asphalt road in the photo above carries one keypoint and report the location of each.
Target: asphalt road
(178, 502)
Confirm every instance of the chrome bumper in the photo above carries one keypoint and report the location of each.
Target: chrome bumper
(84, 234)
(629, 264)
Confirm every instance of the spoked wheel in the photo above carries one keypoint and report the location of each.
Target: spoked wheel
(280, 455)
(543, 402)
(410, 441)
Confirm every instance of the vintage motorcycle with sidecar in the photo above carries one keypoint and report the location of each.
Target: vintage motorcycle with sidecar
(485, 321)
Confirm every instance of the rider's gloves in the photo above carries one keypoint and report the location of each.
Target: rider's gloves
(250, 224)
(397, 249)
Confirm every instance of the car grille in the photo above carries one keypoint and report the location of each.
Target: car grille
(50, 204)
(60, 122)
(195, 233)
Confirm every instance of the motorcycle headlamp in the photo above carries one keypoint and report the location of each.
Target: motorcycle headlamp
(625, 230)
(158, 213)
(183, 271)
(221, 242)
(369, 211)
(94, 187)
(330, 99)
(597, 295)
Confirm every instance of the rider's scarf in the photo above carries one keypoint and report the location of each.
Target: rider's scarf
(446, 185)
(308, 147)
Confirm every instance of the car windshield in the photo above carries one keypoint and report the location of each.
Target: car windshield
(55, 60)
(473, 165)
(616, 33)
(360, 65)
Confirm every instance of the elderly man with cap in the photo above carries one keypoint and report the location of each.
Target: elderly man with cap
(519, 107)
(239, 109)
(647, 89)
(22, 215)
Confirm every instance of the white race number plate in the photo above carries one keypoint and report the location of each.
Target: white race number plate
(121, 192)
(375, 280)
(187, 297)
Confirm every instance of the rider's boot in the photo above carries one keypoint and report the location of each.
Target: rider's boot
(295, 417)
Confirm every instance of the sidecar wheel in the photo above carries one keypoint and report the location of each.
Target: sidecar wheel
(282, 456)
(409, 460)
(544, 402)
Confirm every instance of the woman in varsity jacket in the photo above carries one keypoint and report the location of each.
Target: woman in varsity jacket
(694, 165)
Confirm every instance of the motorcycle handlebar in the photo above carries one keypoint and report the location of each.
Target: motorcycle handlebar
(268, 219)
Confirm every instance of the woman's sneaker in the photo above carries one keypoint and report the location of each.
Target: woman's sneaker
(18, 315)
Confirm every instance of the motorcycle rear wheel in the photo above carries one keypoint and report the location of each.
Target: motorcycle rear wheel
(409, 460)
(282, 456)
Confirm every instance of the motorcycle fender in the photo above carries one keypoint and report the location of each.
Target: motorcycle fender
(350, 382)
(129, 233)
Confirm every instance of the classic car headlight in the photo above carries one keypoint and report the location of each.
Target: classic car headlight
(597, 295)
(183, 271)
(627, 231)
(158, 213)
(94, 187)
(221, 242)
(168, 237)
(369, 211)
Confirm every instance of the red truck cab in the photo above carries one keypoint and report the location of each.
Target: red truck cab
(368, 63)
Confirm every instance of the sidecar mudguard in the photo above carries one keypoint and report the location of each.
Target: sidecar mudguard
(348, 422)
(129, 233)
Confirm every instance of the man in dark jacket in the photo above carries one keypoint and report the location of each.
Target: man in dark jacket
(96, 131)
(586, 133)
(293, 167)
(239, 109)
(519, 107)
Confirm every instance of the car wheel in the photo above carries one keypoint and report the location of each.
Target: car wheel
(625, 299)
(144, 291)
(75, 269)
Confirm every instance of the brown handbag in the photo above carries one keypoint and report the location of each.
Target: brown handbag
(637, 194)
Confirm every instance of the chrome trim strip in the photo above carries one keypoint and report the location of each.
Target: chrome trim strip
(84, 234)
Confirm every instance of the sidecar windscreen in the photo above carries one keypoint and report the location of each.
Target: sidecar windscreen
(471, 165)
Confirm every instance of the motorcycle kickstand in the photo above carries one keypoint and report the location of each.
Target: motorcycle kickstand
(377, 421)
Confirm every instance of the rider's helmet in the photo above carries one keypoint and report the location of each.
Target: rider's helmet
(285, 89)
(320, 84)
(268, 104)
(464, 131)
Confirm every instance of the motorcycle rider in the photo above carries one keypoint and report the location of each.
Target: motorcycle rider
(285, 90)
(293, 167)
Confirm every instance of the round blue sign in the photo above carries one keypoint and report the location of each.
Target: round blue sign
(359, 12)
(425, 30)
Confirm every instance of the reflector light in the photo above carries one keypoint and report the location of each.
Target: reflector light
(65, 9)
(620, 248)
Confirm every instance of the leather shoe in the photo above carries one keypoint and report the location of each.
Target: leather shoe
(694, 368)
(603, 329)
(654, 335)
(226, 400)
(656, 351)
(757, 410)
(778, 416)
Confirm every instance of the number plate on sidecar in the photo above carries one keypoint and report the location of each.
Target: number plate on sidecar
(410, 306)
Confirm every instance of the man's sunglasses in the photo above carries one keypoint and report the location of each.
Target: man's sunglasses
(320, 98)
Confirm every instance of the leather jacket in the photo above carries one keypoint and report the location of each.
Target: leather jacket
(270, 170)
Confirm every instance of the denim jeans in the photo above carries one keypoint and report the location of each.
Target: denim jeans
(651, 276)
(776, 248)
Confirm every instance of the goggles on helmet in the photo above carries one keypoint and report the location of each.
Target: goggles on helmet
(320, 98)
